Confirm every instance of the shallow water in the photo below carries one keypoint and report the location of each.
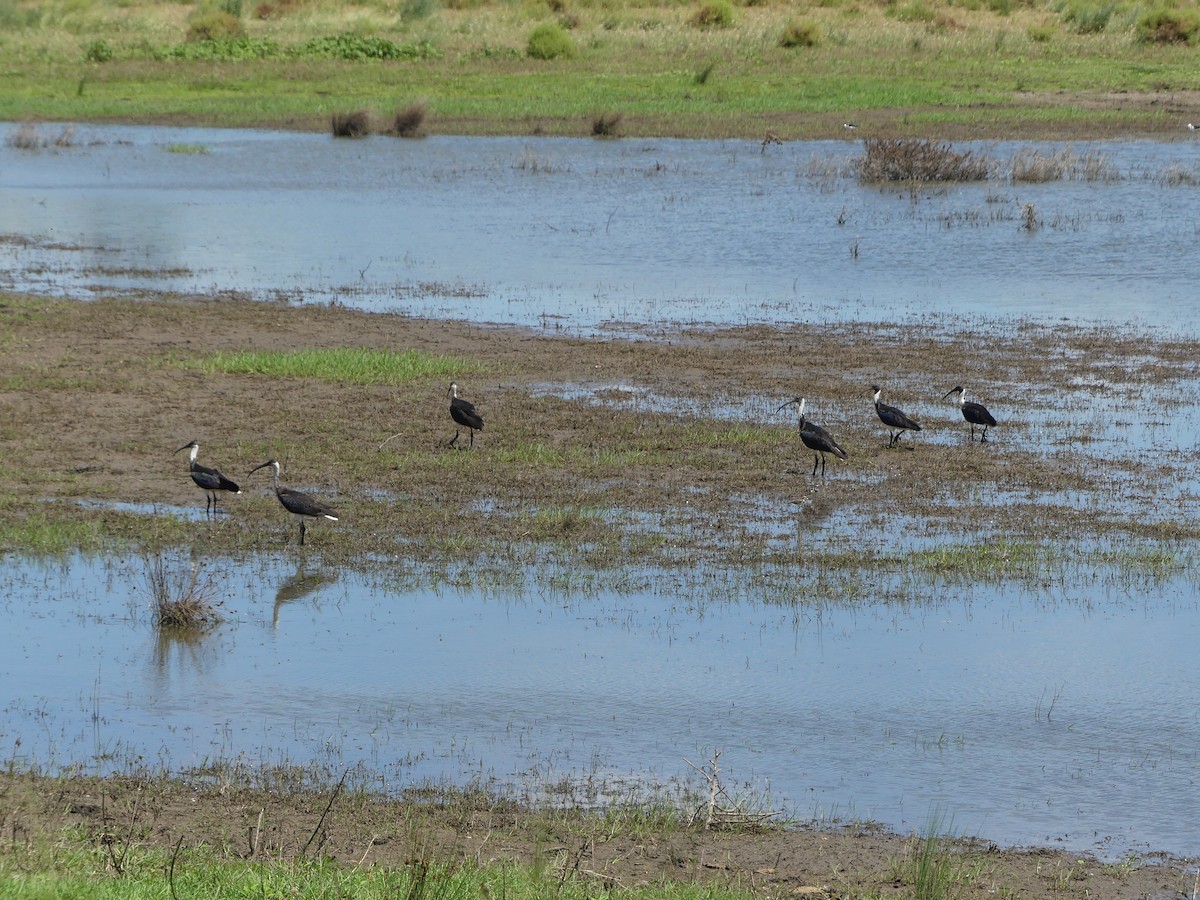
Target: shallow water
(576, 233)
(1065, 718)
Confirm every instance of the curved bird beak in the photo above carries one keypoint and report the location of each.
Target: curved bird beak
(952, 392)
(790, 403)
(263, 466)
(184, 447)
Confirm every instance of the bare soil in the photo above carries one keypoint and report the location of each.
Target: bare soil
(359, 829)
(681, 427)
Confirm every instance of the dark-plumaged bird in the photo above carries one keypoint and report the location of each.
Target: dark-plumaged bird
(974, 413)
(893, 418)
(300, 505)
(207, 479)
(815, 438)
(463, 413)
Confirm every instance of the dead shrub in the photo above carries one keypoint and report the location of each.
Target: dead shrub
(906, 159)
(408, 121)
(351, 125)
(606, 124)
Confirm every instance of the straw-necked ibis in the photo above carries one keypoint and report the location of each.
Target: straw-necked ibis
(893, 418)
(300, 505)
(207, 479)
(815, 438)
(974, 413)
(463, 413)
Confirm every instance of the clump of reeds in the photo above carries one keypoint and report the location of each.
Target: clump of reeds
(181, 600)
(606, 124)
(906, 159)
(1037, 167)
(29, 137)
(353, 124)
(408, 121)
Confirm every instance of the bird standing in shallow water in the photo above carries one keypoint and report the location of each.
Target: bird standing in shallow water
(974, 413)
(893, 418)
(207, 479)
(300, 505)
(463, 413)
(815, 438)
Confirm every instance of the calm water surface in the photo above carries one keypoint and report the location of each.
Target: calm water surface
(584, 232)
(1059, 716)
(1028, 719)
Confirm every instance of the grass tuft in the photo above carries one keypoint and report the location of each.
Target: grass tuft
(805, 33)
(606, 124)
(714, 14)
(916, 160)
(352, 124)
(408, 121)
(181, 600)
(550, 41)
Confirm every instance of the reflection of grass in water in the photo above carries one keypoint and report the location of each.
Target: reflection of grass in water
(357, 365)
(187, 149)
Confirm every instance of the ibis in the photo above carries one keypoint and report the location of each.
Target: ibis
(974, 413)
(815, 438)
(464, 415)
(207, 479)
(893, 418)
(300, 505)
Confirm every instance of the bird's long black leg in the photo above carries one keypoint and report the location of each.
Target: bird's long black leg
(983, 437)
(472, 439)
(822, 465)
(453, 439)
(301, 532)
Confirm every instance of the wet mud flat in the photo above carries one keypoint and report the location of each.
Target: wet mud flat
(608, 457)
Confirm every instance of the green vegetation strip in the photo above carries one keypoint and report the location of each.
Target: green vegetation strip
(78, 865)
(695, 69)
(341, 366)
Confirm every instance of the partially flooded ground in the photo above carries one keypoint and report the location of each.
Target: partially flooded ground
(601, 459)
(603, 463)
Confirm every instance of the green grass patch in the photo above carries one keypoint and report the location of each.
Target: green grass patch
(79, 864)
(359, 365)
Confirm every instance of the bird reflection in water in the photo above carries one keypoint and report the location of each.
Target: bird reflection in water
(299, 586)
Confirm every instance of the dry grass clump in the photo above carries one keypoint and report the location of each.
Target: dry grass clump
(805, 33)
(906, 159)
(1037, 167)
(606, 124)
(714, 14)
(181, 600)
(408, 121)
(352, 125)
(29, 137)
